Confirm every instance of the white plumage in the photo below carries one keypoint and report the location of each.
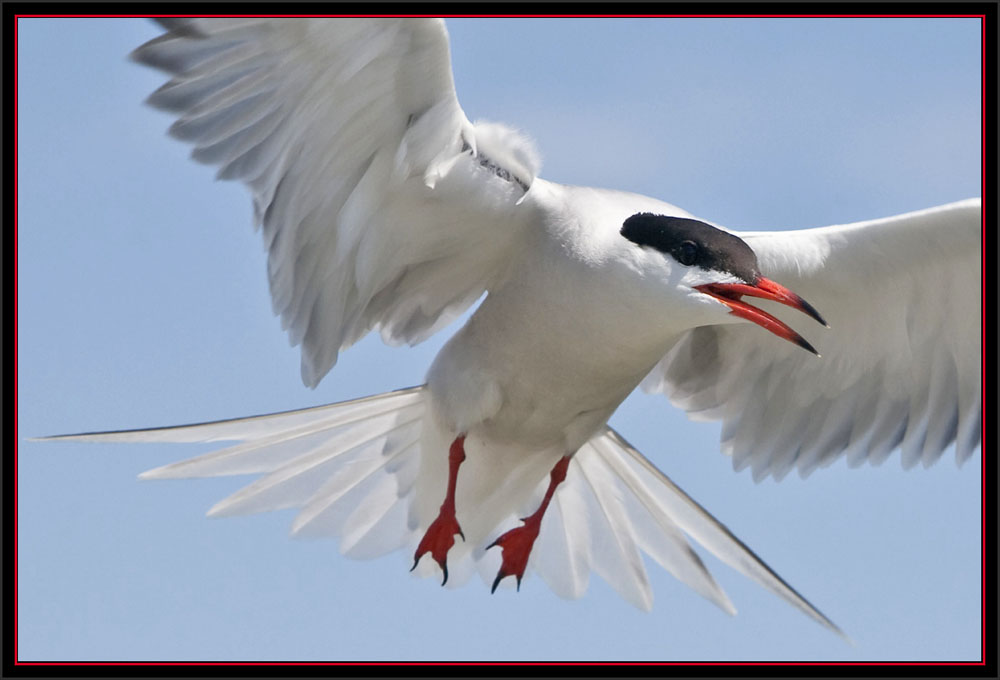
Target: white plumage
(384, 208)
(340, 129)
(901, 359)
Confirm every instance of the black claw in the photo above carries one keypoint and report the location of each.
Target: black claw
(496, 581)
(444, 567)
(518, 584)
(462, 535)
(493, 544)
(416, 560)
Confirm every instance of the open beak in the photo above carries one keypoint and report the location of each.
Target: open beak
(730, 294)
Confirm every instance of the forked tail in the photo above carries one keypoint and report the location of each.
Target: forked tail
(352, 469)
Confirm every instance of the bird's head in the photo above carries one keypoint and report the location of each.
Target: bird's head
(713, 270)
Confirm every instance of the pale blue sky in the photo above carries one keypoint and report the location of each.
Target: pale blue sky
(142, 301)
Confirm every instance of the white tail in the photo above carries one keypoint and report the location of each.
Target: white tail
(350, 466)
(354, 469)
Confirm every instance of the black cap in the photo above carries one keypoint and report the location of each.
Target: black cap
(693, 243)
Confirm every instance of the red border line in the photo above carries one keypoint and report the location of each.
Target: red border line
(508, 16)
(982, 662)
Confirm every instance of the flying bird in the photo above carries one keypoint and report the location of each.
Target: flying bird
(383, 208)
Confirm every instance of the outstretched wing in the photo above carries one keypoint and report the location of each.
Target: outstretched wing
(381, 205)
(900, 364)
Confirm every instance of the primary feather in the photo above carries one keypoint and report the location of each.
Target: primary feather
(342, 129)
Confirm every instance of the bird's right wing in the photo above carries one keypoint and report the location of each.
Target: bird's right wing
(900, 364)
(381, 205)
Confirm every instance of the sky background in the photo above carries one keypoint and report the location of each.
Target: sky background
(142, 301)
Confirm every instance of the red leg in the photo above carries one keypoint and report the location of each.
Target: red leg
(516, 544)
(440, 534)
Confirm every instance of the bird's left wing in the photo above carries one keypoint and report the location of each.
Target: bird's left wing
(381, 205)
(900, 364)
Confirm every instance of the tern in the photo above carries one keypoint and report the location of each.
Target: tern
(383, 208)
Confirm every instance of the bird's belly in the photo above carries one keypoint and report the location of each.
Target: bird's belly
(544, 404)
(555, 416)
(532, 395)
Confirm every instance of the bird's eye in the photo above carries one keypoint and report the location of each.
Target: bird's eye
(687, 253)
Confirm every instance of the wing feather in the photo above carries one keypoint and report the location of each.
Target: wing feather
(901, 361)
(380, 204)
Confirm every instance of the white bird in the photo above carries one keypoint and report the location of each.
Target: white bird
(384, 208)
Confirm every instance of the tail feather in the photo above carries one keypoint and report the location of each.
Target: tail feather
(305, 476)
(657, 531)
(256, 427)
(380, 526)
(616, 557)
(563, 550)
(351, 466)
(700, 525)
(356, 471)
(347, 481)
(268, 446)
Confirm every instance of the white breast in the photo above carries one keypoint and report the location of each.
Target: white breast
(551, 353)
